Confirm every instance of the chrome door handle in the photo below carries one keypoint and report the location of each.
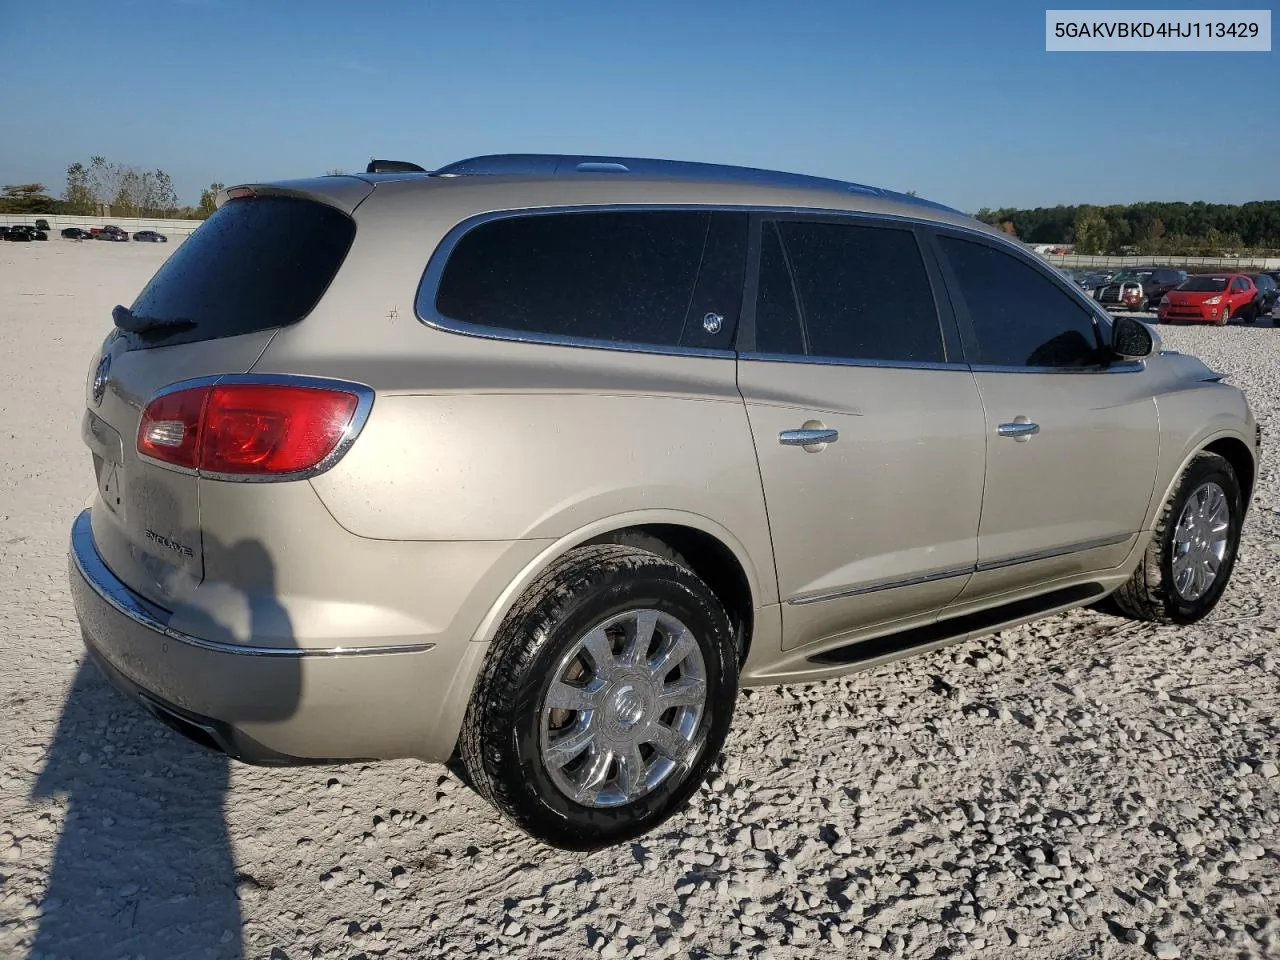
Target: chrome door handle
(1019, 429)
(804, 438)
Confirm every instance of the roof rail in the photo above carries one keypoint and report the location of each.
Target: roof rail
(550, 164)
(393, 166)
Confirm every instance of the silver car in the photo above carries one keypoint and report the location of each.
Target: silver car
(535, 460)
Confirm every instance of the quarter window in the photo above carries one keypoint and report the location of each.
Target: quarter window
(845, 291)
(620, 277)
(1019, 317)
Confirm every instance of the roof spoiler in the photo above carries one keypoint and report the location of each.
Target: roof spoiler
(393, 166)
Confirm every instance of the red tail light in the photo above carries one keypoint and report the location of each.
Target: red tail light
(248, 429)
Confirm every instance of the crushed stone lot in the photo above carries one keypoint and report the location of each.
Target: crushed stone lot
(1082, 786)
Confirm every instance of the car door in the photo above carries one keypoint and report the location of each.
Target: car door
(1242, 297)
(868, 428)
(1072, 438)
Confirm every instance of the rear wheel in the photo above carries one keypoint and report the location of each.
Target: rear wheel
(605, 699)
(1193, 551)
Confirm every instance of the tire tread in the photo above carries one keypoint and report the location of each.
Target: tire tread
(1146, 595)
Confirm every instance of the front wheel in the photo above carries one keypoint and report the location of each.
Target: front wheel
(1193, 550)
(605, 699)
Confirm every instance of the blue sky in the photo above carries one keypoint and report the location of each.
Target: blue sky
(959, 102)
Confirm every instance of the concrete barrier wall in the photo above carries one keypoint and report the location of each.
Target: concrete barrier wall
(57, 222)
(1077, 260)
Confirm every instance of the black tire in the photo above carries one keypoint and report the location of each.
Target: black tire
(499, 743)
(1150, 594)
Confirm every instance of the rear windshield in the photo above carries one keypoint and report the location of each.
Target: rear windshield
(1205, 284)
(255, 264)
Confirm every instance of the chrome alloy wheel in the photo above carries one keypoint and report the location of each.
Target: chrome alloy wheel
(623, 707)
(1200, 541)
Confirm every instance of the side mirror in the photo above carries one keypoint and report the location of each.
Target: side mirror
(1131, 339)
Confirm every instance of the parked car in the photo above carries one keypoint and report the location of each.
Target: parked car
(1090, 280)
(1138, 290)
(150, 236)
(511, 468)
(1210, 298)
(42, 225)
(24, 233)
(1268, 292)
(4, 230)
(76, 233)
(111, 232)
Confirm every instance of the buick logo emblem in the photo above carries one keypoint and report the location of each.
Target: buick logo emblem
(100, 378)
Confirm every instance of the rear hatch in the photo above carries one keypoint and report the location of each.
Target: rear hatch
(262, 261)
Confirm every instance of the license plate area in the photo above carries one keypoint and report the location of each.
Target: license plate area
(108, 467)
(110, 484)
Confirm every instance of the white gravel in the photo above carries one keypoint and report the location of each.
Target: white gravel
(1079, 787)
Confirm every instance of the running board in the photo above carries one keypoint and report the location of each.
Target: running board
(944, 630)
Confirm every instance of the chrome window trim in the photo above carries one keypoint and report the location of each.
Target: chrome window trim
(364, 405)
(1127, 366)
(949, 573)
(428, 287)
(846, 362)
(113, 591)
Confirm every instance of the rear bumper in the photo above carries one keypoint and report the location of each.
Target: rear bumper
(268, 705)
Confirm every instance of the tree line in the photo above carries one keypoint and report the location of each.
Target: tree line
(1188, 229)
(103, 187)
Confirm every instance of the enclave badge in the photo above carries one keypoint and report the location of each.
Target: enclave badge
(100, 378)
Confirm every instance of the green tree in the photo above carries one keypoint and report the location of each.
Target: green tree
(26, 198)
(1149, 235)
(1181, 225)
(78, 197)
(1092, 233)
(208, 201)
(128, 191)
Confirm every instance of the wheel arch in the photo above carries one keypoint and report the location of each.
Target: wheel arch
(1237, 453)
(1227, 444)
(706, 547)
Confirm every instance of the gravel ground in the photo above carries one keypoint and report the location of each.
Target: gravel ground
(1079, 787)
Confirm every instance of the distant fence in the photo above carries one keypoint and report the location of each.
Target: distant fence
(1187, 263)
(57, 222)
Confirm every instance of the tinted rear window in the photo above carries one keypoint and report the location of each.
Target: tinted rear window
(255, 264)
(625, 277)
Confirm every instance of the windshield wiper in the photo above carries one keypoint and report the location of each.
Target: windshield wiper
(127, 320)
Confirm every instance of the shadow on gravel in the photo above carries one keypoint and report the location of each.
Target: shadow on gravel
(143, 866)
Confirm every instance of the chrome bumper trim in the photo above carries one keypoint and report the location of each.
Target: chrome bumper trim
(118, 595)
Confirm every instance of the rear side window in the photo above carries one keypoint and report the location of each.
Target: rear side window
(255, 264)
(845, 291)
(1019, 317)
(611, 276)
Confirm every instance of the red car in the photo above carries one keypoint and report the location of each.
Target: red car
(1210, 298)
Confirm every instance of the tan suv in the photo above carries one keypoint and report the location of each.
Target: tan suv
(537, 459)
